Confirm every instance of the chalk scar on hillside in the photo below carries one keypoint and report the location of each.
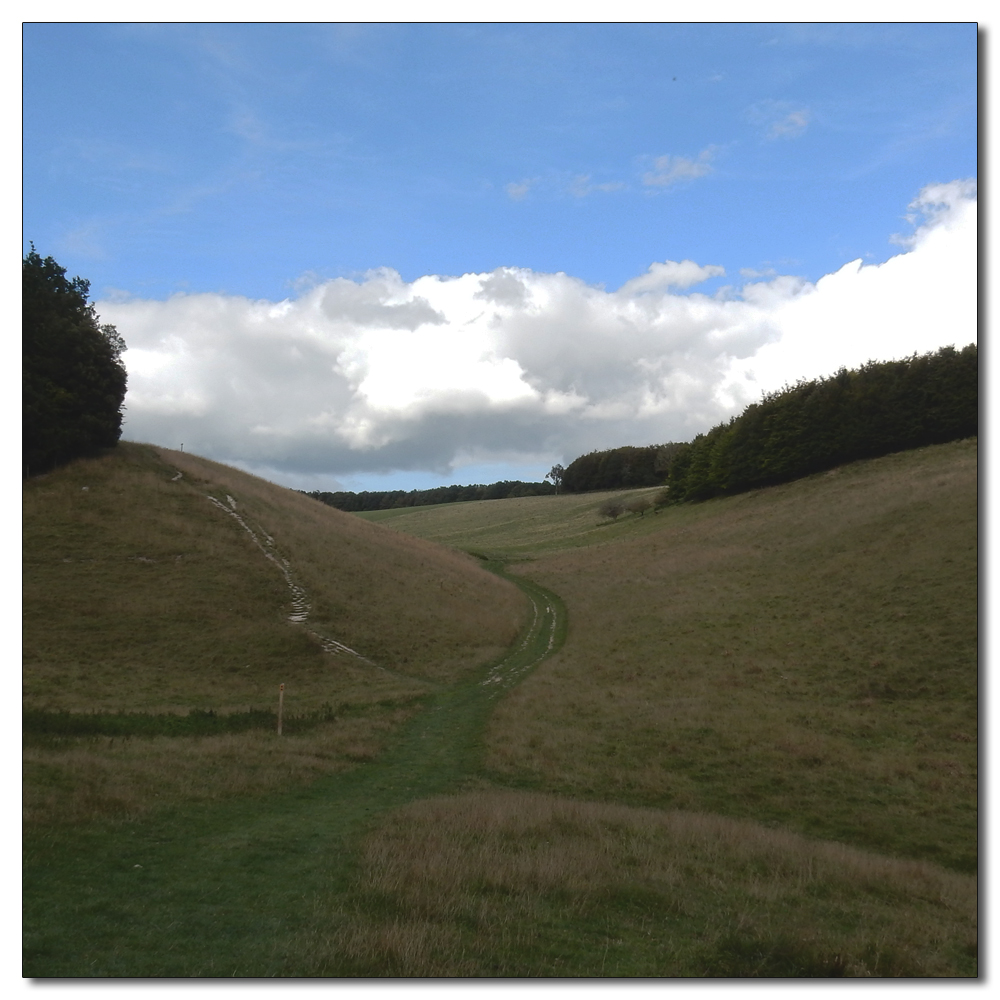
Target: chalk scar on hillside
(300, 601)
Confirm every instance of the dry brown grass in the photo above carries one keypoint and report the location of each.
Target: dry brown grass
(805, 655)
(79, 780)
(501, 883)
(141, 596)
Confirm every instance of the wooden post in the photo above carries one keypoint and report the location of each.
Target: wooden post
(281, 704)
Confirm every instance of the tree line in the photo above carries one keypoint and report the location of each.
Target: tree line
(815, 425)
(620, 468)
(812, 426)
(74, 382)
(391, 499)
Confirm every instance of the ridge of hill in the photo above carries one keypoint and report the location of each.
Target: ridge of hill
(146, 557)
(157, 583)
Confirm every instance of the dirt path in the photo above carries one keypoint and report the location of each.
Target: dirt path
(229, 889)
(300, 599)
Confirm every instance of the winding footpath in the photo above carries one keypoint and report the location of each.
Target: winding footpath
(134, 887)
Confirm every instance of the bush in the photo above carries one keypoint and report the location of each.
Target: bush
(612, 508)
(639, 505)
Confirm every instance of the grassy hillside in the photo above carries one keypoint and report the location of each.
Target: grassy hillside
(141, 595)
(796, 661)
(737, 738)
(804, 655)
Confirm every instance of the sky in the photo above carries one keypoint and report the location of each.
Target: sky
(393, 256)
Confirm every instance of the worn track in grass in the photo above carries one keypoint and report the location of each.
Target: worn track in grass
(227, 889)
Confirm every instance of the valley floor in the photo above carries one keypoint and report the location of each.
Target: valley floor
(733, 739)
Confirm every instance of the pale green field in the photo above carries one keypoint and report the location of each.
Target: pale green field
(521, 527)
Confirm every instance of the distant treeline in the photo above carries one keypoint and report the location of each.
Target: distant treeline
(812, 426)
(863, 413)
(620, 468)
(390, 499)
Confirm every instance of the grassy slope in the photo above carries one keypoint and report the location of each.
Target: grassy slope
(802, 655)
(520, 526)
(494, 882)
(251, 885)
(142, 596)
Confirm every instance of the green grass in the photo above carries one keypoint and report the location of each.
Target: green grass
(520, 527)
(142, 598)
(232, 886)
(732, 739)
(803, 656)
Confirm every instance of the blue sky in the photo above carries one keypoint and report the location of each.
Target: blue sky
(232, 192)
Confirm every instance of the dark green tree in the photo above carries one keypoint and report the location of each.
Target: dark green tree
(815, 425)
(73, 379)
(618, 468)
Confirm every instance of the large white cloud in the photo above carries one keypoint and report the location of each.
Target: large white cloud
(915, 302)
(382, 374)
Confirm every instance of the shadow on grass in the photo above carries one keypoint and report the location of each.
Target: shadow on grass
(42, 726)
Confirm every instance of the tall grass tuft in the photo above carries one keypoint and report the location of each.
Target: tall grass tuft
(522, 884)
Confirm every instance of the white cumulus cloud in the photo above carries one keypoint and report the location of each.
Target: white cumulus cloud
(670, 274)
(381, 374)
(914, 302)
